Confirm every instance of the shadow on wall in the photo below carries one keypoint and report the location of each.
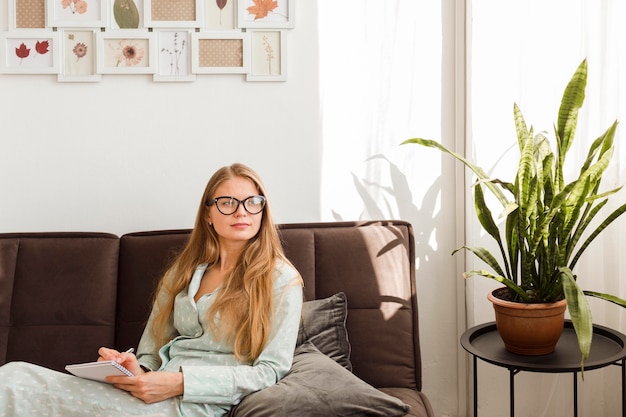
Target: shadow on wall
(395, 201)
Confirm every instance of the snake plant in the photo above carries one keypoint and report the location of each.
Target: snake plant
(547, 219)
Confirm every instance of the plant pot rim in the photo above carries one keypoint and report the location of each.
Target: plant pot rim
(517, 304)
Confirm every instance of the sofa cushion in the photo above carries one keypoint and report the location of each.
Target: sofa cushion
(324, 325)
(317, 386)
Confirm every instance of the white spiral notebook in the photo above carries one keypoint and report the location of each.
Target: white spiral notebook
(97, 371)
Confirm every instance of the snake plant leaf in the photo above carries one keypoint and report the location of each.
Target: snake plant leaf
(484, 255)
(580, 312)
(607, 297)
(126, 14)
(571, 102)
(510, 284)
(480, 173)
(609, 219)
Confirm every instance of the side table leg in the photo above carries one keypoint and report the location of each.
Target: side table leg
(575, 394)
(475, 386)
(512, 373)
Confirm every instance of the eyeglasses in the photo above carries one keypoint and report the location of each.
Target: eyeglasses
(228, 205)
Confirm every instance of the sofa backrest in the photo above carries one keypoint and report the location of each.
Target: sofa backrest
(372, 262)
(63, 295)
(57, 296)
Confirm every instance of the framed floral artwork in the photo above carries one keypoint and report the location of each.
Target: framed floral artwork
(27, 14)
(277, 14)
(76, 13)
(173, 14)
(174, 56)
(220, 52)
(125, 52)
(29, 52)
(78, 58)
(220, 15)
(125, 14)
(267, 55)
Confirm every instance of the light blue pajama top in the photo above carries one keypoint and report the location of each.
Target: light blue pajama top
(213, 377)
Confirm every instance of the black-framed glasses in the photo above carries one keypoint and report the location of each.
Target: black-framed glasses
(228, 205)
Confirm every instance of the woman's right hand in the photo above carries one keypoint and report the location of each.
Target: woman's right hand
(126, 359)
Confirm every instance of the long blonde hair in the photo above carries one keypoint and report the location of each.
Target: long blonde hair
(244, 301)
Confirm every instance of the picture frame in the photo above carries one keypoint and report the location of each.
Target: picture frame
(78, 56)
(252, 15)
(130, 16)
(168, 14)
(76, 13)
(220, 15)
(126, 52)
(34, 52)
(220, 52)
(268, 52)
(173, 55)
(27, 14)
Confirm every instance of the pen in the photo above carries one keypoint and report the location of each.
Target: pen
(131, 350)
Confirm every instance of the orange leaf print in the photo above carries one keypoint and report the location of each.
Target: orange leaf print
(261, 8)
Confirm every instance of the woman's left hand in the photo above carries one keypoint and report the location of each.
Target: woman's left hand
(151, 387)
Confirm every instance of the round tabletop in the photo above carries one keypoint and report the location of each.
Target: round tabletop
(607, 346)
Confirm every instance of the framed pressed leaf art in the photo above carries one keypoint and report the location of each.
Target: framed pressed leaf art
(76, 13)
(276, 14)
(125, 14)
(29, 52)
(220, 14)
(173, 55)
(126, 52)
(78, 62)
(267, 55)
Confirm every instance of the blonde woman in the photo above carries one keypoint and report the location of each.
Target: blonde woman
(224, 322)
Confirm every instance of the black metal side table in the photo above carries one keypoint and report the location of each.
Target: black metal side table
(607, 348)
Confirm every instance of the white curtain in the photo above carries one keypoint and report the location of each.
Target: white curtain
(525, 52)
(395, 69)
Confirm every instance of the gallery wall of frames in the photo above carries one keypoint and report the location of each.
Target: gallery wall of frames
(82, 40)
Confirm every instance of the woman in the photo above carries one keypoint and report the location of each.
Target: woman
(224, 322)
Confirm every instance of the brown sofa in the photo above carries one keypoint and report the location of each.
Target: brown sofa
(63, 295)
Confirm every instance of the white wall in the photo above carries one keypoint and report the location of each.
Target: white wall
(129, 154)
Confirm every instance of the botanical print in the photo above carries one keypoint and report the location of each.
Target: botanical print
(125, 53)
(126, 14)
(79, 53)
(267, 10)
(29, 53)
(67, 12)
(266, 53)
(173, 53)
(220, 14)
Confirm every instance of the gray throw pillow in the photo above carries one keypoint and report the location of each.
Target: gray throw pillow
(317, 386)
(324, 324)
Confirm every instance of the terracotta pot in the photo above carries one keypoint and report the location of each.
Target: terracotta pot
(529, 329)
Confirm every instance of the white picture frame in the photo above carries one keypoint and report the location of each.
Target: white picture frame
(156, 17)
(126, 52)
(114, 25)
(25, 52)
(220, 52)
(268, 53)
(26, 15)
(252, 15)
(220, 15)
(78, 56)
(173, 55)
(76, 13)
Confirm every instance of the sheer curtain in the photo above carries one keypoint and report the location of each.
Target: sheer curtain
(525, 52)
(389, 70)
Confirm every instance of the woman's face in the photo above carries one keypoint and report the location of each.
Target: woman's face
(240, 226)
